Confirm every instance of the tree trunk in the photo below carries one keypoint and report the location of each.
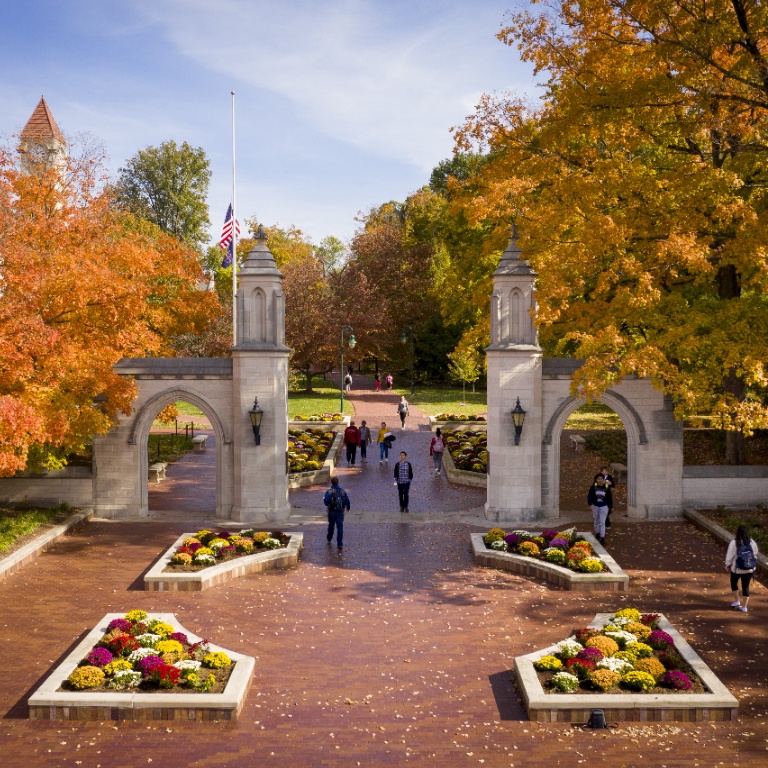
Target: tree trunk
(463, 392)
(308, 377)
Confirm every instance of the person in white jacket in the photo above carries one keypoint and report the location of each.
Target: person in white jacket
(741, 566)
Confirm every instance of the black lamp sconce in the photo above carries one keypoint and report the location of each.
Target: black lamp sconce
(256, 415)
(518, 417)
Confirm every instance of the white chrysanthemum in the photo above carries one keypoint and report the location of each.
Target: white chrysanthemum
(565, 681)
(270, 543)
(622, 637)
(217, 545)
(620, 621)
(140, 653)
(522, 533)
(614, 664)
(500, 545)
(188, 664)
(124, 679)
(147, 640)
(204, 560)
(568, 648)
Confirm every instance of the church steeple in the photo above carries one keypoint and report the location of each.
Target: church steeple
(42, 141)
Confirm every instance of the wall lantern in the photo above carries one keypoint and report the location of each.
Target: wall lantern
(256, 415)
(518, 417)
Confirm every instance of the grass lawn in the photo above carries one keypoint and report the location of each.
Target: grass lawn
(15, 523)
(325, 398)
(436, 399)
(167, 447)
(593, 416)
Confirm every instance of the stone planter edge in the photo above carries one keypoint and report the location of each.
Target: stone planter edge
(322, 475)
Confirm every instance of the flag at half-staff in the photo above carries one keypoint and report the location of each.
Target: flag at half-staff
(227, 241)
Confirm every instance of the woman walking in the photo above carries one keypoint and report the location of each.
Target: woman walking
(365, 441)
(436, 448)
(402, 410)
(741, 561)
(384, 439)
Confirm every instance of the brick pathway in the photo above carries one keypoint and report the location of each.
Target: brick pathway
(396, 653)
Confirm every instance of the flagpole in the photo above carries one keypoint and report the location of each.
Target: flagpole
(234, 233)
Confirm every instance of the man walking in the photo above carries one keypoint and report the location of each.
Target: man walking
(610, 483)
(403, 477)
(351, 440)
(365, 441)
(336, 501)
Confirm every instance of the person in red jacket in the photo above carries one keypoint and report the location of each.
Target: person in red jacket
(351, 440)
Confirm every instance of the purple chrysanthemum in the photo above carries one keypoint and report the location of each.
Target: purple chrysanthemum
(660, 640)
(122, 624)
(676, 679)
(549, 534)
(590, 654)
(559, 543)
(149, 663)
(179, 637)
(100, 657)
(512, 538)
(223, 534)
(194, 547)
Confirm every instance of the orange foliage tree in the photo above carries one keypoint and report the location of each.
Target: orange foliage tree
(639, 185)
(82, 285)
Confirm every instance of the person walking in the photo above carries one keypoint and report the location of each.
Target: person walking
(336, 501)
(389, 381)
(384, 439)
(348, 383)
(365, 441)
(377, 382)
(600, 499)
(403, 477)
(741, 561)
(402, 410)
(351, 440)
(611, 483)
(436, 448)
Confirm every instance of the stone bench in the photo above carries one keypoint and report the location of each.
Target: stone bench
(577, 442)
(157, 472)
(619, 471)
(198, 442)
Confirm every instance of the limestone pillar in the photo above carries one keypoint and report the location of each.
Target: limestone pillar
(260, 370)
(514, 371)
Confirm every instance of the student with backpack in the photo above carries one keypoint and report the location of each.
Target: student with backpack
(336, 501)
(741, 561)
(403, 476)
(600, 500)
(436, 448)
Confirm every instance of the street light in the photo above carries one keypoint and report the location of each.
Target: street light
(256, 414)
(518, 417)
(352, 344)
(405, 338)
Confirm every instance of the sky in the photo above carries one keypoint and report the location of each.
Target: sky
(340, 105)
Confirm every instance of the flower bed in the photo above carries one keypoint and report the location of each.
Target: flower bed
(610, 577)
(144, 667)
(308, 449)
(205, 559)
(319, 417)
(468, 449)
(564, 548)
(633, 666)
(206, 548)
(459, 417)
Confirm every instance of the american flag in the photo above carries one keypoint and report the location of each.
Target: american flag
(226, 243)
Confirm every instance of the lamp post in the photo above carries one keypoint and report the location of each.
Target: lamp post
(256, 414)
(352, 344)
(518, 417)
(405, 338)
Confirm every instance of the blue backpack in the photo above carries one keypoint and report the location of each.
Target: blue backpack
(745, 558)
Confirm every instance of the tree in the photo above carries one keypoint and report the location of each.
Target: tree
(639, 186)
(83, 284)
(168, 185)
(464, 366)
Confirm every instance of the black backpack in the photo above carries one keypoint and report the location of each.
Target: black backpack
(336, 499)
(745, 557)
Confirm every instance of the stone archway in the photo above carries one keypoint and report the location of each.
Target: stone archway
(139, 435)
(550, 448)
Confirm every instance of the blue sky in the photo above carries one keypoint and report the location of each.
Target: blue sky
(341, 105)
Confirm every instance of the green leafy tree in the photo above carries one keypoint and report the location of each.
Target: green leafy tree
(168, 185)
(464, 366)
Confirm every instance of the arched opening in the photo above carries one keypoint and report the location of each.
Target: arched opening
(193, 484)
(592, 438)
(181, 462)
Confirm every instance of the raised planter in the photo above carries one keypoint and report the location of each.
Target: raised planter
(615, 580)
(196, 581)
(26, 554)
(434, 424)
(49, 703)
(342, 424)
(462, 476)
(322, 475)
(543, 707)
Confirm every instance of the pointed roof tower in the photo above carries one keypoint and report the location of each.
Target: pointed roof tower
(41, 125)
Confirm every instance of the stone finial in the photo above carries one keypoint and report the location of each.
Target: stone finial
(512, 261)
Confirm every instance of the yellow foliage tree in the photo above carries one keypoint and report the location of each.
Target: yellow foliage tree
(639, 185)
